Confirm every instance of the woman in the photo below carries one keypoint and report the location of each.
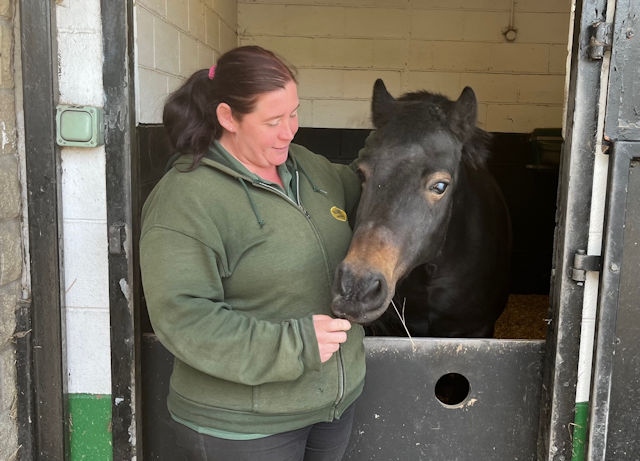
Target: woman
(239, 243)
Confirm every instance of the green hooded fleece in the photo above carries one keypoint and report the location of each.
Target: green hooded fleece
(233, 270)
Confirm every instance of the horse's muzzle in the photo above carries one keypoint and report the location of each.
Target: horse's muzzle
(359, 296)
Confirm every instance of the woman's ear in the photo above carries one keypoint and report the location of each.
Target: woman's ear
(225, 117)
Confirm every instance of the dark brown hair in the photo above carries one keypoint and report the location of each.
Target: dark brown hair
(241, 76)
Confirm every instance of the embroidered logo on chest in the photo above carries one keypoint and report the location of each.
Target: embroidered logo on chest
(338, 214)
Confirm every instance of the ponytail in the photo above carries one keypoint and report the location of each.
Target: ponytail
(189, 116)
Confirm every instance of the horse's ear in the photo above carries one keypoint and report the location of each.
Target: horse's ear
(465, 113)
(464, 119)
(381, 104)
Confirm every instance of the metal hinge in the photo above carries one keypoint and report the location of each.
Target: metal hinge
(600, 39)
(583, 263)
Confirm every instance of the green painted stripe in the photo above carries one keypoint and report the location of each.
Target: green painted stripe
(90, 427)
(580, 431)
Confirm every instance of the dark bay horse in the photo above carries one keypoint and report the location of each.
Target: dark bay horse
(432, 231)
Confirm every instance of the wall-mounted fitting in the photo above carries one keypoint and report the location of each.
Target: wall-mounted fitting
(510, 34)
(79, 126)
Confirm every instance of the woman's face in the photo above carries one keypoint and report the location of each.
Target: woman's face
(262, 137)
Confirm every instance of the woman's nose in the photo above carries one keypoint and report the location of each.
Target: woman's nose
(288, 130)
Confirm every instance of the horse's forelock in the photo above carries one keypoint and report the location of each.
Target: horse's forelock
(437, 107)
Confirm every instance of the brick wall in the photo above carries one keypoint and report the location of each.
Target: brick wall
(11, 246)
(174, 39)
(341, 46)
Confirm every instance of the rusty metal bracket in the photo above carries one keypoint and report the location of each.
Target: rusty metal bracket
(600, 38)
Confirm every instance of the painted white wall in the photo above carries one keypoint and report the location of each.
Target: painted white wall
(341, 46)
(86, 296)
(174, 38)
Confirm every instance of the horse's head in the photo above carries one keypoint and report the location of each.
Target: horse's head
(409, 170)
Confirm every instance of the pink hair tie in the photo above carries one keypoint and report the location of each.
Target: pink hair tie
(212, 72)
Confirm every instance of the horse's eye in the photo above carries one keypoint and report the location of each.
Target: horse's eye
(361, 175)
(439, 187)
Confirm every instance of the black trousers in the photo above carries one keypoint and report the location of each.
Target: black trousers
(318, 442)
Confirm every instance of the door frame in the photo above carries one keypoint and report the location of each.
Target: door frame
(40, 355)
(560, 372)
(119, 119)
(614, 392)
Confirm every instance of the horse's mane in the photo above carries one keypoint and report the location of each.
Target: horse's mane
(476, 150)
(476, 147)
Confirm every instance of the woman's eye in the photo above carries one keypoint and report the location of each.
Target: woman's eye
(439, 187)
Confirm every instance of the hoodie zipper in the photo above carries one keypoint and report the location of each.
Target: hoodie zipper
(341, 381)
(301, 208)
(339, 359)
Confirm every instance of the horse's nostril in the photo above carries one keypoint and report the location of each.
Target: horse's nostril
(373, 289)
(342, 283)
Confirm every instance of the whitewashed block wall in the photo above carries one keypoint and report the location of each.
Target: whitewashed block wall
(84, 206)
(174, 38)
(340, 47)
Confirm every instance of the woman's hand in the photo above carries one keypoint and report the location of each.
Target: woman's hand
(330, 333)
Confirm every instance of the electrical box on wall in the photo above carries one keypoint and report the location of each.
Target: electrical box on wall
(79, 126)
